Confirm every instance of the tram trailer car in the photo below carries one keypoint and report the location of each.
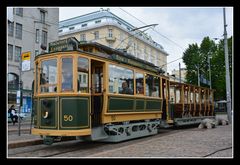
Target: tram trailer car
(96, 93)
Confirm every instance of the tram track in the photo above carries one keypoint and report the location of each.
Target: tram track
(81, 149)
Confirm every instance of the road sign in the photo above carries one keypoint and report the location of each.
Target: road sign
(26, 61)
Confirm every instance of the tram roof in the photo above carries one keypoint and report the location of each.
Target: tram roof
(71, 44)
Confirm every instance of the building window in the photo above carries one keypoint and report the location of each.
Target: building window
(10, 52)
(98, 21)
(10, 28)
(152, 59)
(18, 51)
(110, 44)
(42, 16)
(134, 49)
(18, 31)
(82, 37)
(59, 31)
(110, 33)
(37, 35)
(71, 28)
(121, 35)
(19, 12)
(84, 25)
(96, 35)
(13, 81)
(44, 38)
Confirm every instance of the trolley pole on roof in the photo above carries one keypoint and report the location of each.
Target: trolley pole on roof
(228, 89)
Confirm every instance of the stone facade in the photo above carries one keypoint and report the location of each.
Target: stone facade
(28, 29)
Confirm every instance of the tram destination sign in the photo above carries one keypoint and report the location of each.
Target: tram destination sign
(63, 45)
(133, 62)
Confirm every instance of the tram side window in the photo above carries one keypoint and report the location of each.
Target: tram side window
(202, 97)
(178, 96)
(197, 98)
(210, 97)
(48, 76)
(206, 96)
(172, 98)
(152, 85)
(120, 80)
(191, 97)
(185, 97)
(139, 83)
(83, 72)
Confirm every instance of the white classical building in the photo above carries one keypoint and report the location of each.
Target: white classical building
(108, 29)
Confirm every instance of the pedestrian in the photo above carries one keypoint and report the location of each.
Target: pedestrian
(126, 89)
(13, 114)
(154, 92)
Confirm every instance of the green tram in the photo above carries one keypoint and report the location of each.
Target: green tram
(96, 93)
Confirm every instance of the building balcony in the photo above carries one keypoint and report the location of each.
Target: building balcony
(111, 39)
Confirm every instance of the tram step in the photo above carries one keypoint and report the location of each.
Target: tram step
(164, 124)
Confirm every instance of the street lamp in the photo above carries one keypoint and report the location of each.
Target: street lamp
(198, 78)
(228, 89)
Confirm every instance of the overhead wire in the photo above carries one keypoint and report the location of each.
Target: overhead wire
(159, 34)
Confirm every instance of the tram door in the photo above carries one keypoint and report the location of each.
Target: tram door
(96, 92)
(165, 94)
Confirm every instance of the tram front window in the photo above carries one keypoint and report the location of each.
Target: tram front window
(48, 76)
(83, 68)
(67, 74)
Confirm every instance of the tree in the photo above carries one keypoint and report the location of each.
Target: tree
(197, 56)
(191, 59)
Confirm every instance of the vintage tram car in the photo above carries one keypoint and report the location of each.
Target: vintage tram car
(93, 92)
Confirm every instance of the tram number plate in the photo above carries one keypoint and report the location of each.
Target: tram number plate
(68, 117)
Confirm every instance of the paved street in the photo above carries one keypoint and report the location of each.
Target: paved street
(181, 143)
(187, 143)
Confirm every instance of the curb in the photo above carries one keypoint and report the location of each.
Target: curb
(15, 131)
(24, 143)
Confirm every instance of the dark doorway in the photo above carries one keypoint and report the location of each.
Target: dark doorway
(96, 92)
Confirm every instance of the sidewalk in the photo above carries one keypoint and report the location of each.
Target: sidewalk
(25, 138)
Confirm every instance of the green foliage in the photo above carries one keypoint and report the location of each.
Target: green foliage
(196, 55)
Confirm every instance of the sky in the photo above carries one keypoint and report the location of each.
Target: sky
(177, 26)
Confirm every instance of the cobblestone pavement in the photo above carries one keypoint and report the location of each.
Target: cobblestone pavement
(181, 143)
(187, 143)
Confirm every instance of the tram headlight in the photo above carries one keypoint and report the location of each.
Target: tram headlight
(45, 114)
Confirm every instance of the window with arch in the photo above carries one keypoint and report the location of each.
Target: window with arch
(13, 80)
